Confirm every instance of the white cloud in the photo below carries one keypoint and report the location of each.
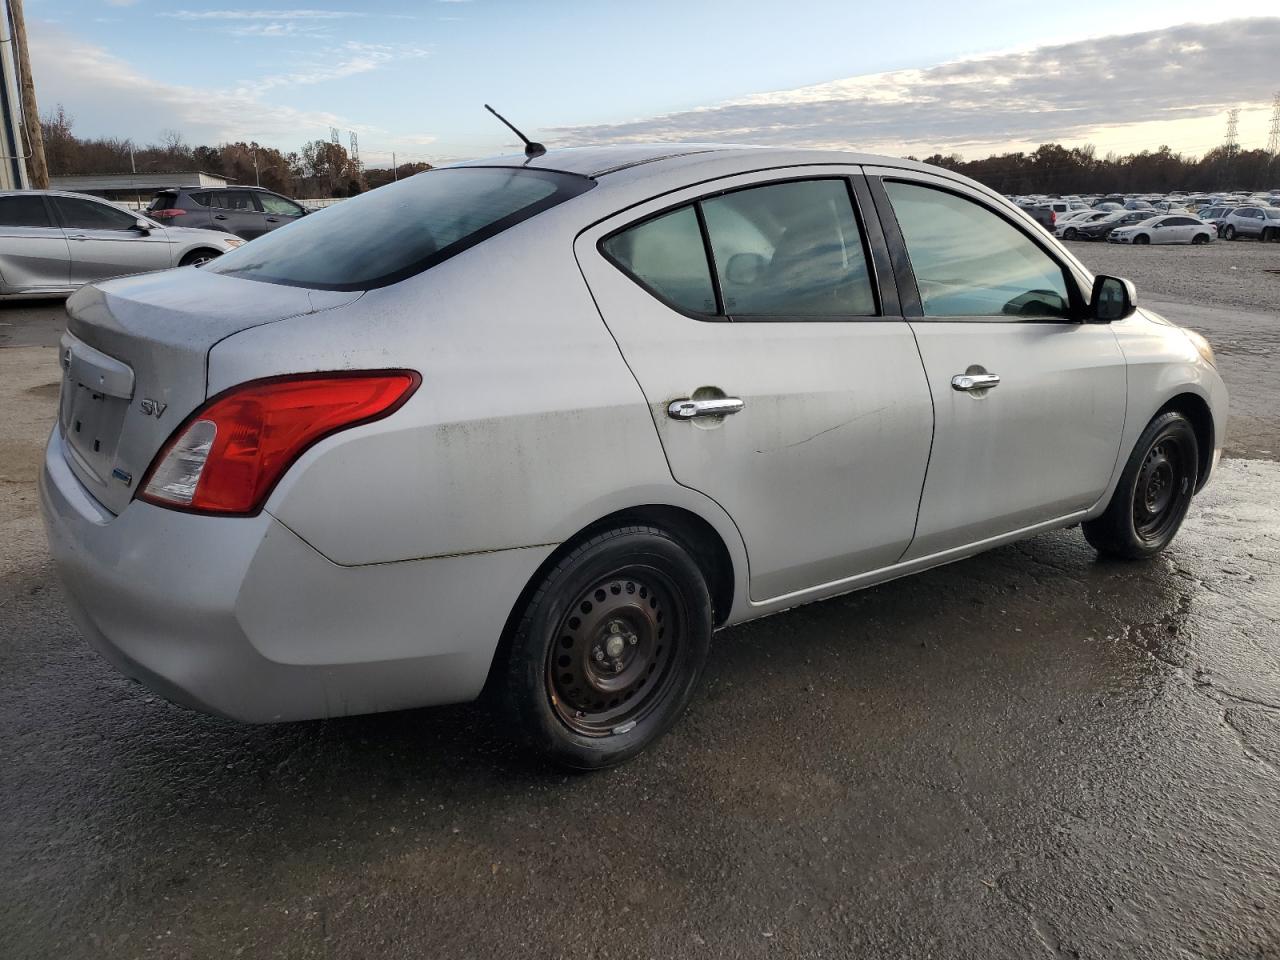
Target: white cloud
(303, 14)
(1070, 92)
(110, 97)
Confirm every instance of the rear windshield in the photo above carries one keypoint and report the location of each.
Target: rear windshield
(396, 231)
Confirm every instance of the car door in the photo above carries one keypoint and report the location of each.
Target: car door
(1029, 400)
(238, 212)
(760, 318)
(105, 241)
(1183, 229)
(33, 249)
(277, 211)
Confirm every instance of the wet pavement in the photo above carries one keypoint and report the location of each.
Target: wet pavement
(1028, 754)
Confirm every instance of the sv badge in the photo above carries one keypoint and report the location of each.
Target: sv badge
(152, 408)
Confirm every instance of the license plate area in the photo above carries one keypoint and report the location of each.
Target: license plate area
(91, 423)
(96, 391)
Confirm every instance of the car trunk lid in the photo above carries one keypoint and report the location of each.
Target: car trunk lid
(134, 363)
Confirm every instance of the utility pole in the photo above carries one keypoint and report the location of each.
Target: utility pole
(257, 180)
(396, 176)
(38, 168)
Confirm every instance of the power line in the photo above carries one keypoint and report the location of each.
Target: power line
(1273, 140)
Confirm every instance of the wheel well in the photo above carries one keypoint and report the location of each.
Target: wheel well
(693, 532)
(192, 254)
(1197, 411)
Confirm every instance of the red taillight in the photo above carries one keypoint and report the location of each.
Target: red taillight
(166, 214)
(227, 457)
(1053, 218)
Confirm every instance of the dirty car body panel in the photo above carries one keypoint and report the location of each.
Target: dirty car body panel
(387, 561)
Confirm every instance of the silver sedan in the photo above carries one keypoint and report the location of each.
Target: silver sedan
(541, 425)
(53, 242)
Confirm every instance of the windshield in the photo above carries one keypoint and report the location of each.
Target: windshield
(396, 231)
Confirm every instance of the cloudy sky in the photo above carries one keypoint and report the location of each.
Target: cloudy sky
(909, 77)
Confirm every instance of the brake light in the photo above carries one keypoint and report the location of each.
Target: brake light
(166, 214)
(1053, 218)
(228, 455)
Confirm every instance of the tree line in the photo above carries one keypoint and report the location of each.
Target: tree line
(325, 169)
(1052, 168)
(320, 168)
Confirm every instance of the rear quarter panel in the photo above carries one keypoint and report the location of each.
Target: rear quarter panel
(528, 424)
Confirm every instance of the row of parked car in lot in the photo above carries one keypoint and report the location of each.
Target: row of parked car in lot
(1137, 220)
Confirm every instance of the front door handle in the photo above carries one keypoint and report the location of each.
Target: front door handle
(971, 382)
(692, 409)
(219, 216)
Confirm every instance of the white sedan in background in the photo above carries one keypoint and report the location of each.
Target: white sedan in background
(1176, 228)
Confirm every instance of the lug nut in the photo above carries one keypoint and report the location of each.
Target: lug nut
(634, 639)
(598, 654)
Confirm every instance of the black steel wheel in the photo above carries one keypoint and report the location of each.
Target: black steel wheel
(609, 647)
(1070, 233)
(1154, 492)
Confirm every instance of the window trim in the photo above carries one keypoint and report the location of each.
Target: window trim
(720, 316)
(905, 270)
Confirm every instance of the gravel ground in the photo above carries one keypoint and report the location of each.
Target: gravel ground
(1241, 274)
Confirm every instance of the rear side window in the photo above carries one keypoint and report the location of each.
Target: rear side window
(238, 200)
(790, 250)
(970, 262)
(396, 231)
(780, 251)
(23, 212)
(667, 256)
(201, 199)
(163, 201)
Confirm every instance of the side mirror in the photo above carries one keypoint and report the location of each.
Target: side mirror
(745, 269)
(146, 226)
(1114, 298)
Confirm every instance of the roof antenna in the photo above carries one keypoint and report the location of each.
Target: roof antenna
(531, 148)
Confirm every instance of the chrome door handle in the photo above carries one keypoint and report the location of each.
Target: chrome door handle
(77, 236)
(692, 409)
(970, 382)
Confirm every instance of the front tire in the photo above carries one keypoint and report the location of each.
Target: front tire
(609, 648)
(1141, 239)
(1071, 233)
(1153, 494)
(197, 258)
(1228, 232)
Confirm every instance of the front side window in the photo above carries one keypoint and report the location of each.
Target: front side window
(88, 215)
(25, 211)
(398, 230)
(666, 255)
(279, 206)
(790, 250)
(969, 262)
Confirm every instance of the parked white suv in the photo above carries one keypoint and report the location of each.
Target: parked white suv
(545, 423)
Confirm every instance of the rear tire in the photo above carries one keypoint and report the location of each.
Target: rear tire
(197, 258)
(1070, 233)
(609, 648)
(1200, 238)
(1153, 494)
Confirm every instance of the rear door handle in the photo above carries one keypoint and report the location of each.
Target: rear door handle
(970, 382)
(273, 219)
(692, 409)
(219, 216)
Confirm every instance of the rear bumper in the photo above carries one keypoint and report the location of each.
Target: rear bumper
(242, 618)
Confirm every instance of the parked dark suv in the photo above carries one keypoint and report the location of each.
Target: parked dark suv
(245, 211)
